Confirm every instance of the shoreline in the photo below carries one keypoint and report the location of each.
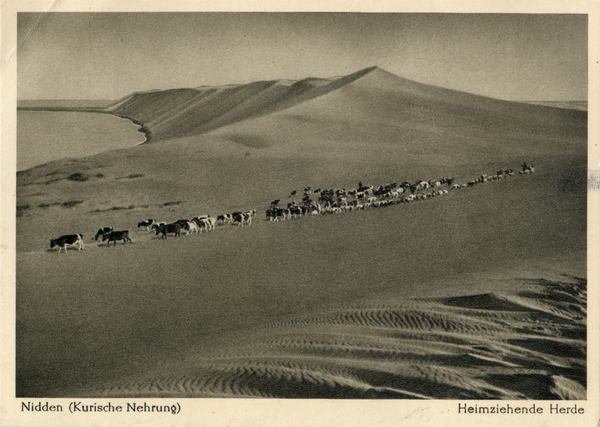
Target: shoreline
(143, 129)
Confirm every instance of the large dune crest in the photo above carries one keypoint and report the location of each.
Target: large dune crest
(368, 102)
(184, 112)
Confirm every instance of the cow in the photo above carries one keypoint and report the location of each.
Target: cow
(225, 218)
(198, 218)
(210, 223)
(205, 223)
(102, 232)
(200, 223)
(186, 225)
(68, 240)
(242, 218)
(275, 214)
(271, 214)
(192, 227)
(147, 224)
(157, 224)
(295, 210)
(169, 228)
(113, 236)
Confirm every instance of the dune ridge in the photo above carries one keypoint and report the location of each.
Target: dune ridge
(385, 97)
(185, 112)
(433, 348)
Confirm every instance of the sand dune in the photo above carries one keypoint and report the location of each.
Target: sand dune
(477, 294)
(371, 95)
(460, 347)
(186, 112)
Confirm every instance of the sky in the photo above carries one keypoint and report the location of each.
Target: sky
(76, 55)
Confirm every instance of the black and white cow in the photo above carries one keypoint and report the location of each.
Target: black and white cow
(147, 224)
(102, 231)
(210, 223)
(68, 240)
(113, 236)
(239, 218)
(187, 225)
(225, 218)
(242, 218)
(192, 227)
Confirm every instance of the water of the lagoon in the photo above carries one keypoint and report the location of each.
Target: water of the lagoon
(43, 136)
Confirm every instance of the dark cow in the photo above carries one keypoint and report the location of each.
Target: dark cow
(183, 223)
(113, 236)
(102, 232)
(157, 224)
(295, 210)
(275, 214)
(169, 228)
(68, 240)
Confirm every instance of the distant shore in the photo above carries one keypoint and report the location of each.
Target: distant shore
(50, 135)
(71, 107)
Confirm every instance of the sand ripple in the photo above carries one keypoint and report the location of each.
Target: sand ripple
(527, 345)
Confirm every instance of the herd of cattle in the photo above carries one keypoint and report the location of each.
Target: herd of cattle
(328, 202)
(195, 225)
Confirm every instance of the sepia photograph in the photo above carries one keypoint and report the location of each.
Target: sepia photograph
(303, 206)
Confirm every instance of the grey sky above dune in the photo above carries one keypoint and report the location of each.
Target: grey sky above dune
(110, 55)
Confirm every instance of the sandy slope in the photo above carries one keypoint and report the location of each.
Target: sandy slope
(185, 112)
(480, 293)
(459, 347)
